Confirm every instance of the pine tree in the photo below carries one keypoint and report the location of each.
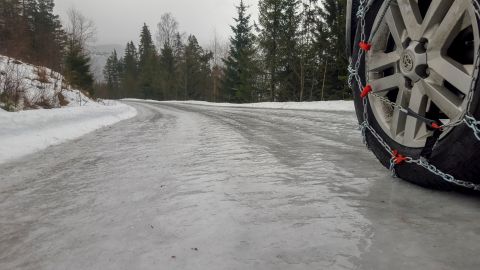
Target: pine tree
(240, 69)
(279, 38)
(179, 56)
(168, 72)
(129, 72)
(148, 65)
(77, 68)
(333, 14)
(30, 31)
(309, 50)
(270, 23)
(111, 73)
(48, 36)
(289, 51)
(196, 71)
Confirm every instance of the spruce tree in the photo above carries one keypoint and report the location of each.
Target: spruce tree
(310, 51)
(270, 22)
(129, 72)
(289, 51)
(333, 14)
(148, 65)
(111, 73)
(30, 31)
(240, 69)
(48, 36)
(168, 72)
(77, 68)
(196, 71)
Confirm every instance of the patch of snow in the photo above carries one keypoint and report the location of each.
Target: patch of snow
(38, 85)
(26, 132)
(338, 105)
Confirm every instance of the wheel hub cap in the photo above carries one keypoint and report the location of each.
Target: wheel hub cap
(413, 61)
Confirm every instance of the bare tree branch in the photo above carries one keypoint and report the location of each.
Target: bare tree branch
(167, 29)
(80, 30)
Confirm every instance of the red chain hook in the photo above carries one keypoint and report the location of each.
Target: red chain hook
(398, 158)
(436, 126)
(366, 90)
(365, 46)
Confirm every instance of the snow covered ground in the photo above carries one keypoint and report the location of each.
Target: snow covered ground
(27, 89)
(340, 105)
(36, 87)
(25, 132)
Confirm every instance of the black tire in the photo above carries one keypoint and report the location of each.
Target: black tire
(457, 154)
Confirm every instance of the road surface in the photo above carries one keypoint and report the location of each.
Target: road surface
(195, 187)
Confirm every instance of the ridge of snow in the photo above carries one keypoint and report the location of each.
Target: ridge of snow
(337, 105)
(26, 132)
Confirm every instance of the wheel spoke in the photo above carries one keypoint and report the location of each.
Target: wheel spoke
(411, 17)
(379, 61)
(396, 26)
(418, 104)
(452, 72)
(387, 83)
(397, 124)
(435, 14)
(450, 26)
(444, 99)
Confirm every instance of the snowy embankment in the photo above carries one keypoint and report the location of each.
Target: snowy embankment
(24, 86)
(339, 105)
(48, 111)
(26, 132)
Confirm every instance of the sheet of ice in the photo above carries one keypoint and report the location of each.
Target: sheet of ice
(338, 105)
(25, 132)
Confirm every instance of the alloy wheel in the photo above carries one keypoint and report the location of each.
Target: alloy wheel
(422, 58)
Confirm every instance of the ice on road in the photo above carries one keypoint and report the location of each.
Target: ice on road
(26, 132)
(194, 187)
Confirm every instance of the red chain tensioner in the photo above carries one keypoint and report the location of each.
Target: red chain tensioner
(435, 126)
(366, 90)
(398, 158)
(365, 46)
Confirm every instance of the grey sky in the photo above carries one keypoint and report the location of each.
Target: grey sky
(119, 21)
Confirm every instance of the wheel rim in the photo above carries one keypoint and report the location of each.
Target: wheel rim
(422, 59)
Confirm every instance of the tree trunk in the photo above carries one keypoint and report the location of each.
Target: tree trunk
(323, 83)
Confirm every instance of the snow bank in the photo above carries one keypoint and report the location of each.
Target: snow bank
(339, 105)
(25, 132)
(39, 87)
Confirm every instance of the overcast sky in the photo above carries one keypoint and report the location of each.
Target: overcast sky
(119, 21)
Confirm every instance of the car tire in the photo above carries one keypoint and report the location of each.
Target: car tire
(457, 153)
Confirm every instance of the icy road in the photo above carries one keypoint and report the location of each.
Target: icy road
(196, 187)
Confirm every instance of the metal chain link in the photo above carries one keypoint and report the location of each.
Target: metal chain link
(473, 124)
(446, 177)
(354, 77)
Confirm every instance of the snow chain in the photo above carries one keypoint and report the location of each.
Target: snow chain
(366, 90)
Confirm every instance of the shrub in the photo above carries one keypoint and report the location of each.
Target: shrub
(12, 88)
(42, 75)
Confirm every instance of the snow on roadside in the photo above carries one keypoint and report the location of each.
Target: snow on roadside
(338, 105)
(38, 87)
(26, 132)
